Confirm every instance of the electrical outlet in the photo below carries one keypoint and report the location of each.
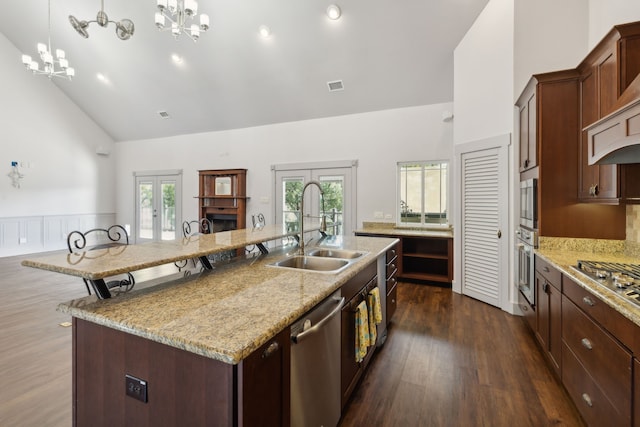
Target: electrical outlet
(136, 388)
(378, 215)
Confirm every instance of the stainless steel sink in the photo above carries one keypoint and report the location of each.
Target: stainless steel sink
(312, 263)
(335, 253)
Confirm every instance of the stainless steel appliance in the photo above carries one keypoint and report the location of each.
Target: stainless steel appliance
(623, 279)
(526, 242)
(315, 365)
(529, 203)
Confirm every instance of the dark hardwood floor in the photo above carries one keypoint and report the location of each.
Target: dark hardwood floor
(448, 361)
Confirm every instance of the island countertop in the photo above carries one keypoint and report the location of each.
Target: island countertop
(226, 313)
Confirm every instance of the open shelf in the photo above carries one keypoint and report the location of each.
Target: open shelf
(423, 257)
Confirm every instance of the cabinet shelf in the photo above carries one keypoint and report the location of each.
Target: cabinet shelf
(423, 258)
(426, 256)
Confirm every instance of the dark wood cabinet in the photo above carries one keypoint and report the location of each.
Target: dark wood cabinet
(222, 198)
(597, 356)
(528, 132)
(560, 213)
(183, 388)
(548, 312)
(427, 258)
(391, 270)
(605, 74)
(354, 292)
(422, 257)
(264, 384)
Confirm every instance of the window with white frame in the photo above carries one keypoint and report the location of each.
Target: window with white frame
(422, 195)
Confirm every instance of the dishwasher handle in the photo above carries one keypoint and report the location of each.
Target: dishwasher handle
(299, 336)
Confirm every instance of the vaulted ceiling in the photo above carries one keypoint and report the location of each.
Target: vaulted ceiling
(388, 54)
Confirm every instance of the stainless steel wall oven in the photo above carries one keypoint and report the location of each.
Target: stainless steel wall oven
(526, 242)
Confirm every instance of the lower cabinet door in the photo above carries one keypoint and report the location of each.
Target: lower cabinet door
(392, 300)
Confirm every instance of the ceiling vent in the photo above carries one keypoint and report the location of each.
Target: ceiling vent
(335, 85)
(163, 114)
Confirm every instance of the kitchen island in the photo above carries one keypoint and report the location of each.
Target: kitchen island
(211, 348)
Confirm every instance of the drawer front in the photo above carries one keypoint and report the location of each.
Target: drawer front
(392, 301)
(594, 407)
(608, 363)
(550, 273)
(615, 323)
(355, 284)
(392, 268)
(392, 254)
(527, 311)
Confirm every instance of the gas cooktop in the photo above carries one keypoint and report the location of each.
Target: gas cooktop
(624, 279)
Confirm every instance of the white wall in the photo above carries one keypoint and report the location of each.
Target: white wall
(55, 141)
(378, 140)
(550, 35)
(483, 76)
(604, 14)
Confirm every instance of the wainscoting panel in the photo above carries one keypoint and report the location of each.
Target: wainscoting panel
(24, 235)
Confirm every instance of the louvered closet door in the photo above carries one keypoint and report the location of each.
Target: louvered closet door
(484, 190)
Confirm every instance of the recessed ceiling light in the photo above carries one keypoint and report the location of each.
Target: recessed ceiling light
(333, 12)
(102, 78)
(264, 31)
(177, 59)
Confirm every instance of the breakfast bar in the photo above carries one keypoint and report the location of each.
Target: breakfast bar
(211, 347)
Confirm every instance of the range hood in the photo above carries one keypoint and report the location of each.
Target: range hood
(615, 139)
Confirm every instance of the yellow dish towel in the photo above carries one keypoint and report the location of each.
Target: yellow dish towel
(375, 313)
(374, 304)
(363, 339)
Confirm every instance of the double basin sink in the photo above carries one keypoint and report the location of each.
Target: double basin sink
(324, 260)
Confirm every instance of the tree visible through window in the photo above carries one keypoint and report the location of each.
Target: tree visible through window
(423, 193)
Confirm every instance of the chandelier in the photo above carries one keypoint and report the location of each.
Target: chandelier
(49, 68)
(178, 12)
(124, 27)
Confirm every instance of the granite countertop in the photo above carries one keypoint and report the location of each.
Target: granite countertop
(101, 263)
(226, 313)
(391, 229)
(564, 256)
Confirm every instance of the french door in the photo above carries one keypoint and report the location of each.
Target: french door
(158, 205)
(337, 180)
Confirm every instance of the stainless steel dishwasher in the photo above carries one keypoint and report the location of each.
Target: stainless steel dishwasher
(315, 365)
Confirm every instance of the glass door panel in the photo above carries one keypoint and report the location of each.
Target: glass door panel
(157, 207)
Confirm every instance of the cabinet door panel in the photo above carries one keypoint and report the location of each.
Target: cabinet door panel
(524, 137)
(589, 110)
(608, 82)
(532, 149)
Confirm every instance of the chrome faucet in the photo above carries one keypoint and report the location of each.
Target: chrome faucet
(323, 221)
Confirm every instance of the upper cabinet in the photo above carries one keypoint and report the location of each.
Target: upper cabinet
(604, 76)
(528, 133)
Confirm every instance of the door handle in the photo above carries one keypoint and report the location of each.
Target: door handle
(298, 337)
(499, 234)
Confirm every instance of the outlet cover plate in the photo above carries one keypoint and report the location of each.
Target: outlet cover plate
(136, 388)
